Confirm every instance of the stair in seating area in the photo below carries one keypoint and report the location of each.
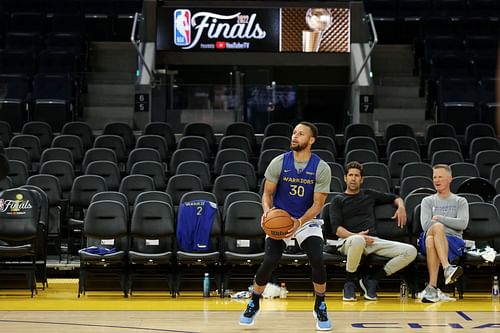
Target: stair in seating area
(110, 84)
(396, 97)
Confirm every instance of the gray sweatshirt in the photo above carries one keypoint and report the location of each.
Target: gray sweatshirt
(453, 212)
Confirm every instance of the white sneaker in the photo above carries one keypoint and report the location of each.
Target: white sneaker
(429, 295)
(444, 297)
(452, 273)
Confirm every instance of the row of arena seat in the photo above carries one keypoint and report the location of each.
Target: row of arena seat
(384, 176)
(275, 136)
(142, 236)
(45, 132)
(65, 191)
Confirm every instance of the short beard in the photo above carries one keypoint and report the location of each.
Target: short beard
(298, 147)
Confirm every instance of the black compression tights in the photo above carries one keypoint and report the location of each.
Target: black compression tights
(312, 246)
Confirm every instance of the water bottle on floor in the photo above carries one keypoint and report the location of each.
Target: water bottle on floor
(494, 289)
(206, 285)
(283, 291)
(403, 291)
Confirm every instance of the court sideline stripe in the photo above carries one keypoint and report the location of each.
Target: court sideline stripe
(94, 325)
(463, 315)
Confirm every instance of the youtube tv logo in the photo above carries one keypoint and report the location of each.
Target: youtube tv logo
(220, 45)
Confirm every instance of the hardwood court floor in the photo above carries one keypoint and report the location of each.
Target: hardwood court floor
(57, 309)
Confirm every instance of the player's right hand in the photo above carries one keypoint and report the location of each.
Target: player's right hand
(263, 217)
(369, 240)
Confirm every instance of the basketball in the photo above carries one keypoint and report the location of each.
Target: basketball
(277, 223)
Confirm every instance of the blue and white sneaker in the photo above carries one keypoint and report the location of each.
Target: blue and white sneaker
(247, 317)
(321, 316)
(349, 292)
(369, 288)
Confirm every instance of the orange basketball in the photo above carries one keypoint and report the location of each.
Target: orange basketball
(277, 223)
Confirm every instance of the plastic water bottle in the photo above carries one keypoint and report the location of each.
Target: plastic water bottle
(206, 285)
(283, 291)
(403, 291)
(494, 289)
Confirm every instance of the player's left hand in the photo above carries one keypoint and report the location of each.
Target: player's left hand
(296, 225)
(400, 216)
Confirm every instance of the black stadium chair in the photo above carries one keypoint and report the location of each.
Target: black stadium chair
(208, 256)
(18, 173)
(178, 185)
(73, 143)
(464, 169)
(142, 154)
(242, 168)
(56, 153)
(244, 239)
(353, 130)
(203, 130)
(183, 155)
(479, 186)
(402, 143)
(275, 142)
(56, 208)
(360, 142)
(107, 170)
(199, 169)
(239, 196)
(152, 169)
(242, 129)
(29, 142)
(228, 155)
(375, 169)
(226, 184)
(115, 143)
(20, 235)
(164, 130)
(361, 156)
(82, 130)
(19, 154)
(152, 234)
(123, 130)
(105, 227)
(236, 141)
(133, 185)
(41, 130)
(5, 132)
(416, 169)
(157, 142)
(196, 142)
(154, 196)
(395, 130)
(98, 154)
(277, 128)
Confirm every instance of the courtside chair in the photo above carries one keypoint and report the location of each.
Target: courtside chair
(244, 239)
(152, 239)
(106, 227)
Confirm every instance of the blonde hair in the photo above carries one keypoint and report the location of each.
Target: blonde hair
(443, 166)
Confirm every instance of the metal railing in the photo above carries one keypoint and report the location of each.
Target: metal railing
(375, 41)
(138, 17)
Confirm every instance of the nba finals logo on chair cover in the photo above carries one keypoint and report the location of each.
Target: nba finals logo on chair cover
(15, 207)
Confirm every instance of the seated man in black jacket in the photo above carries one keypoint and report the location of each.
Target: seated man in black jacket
(353, 221)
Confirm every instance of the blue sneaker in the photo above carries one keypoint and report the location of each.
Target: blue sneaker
(349, 292)
(321, 316)
(247, 317)
(369, 288)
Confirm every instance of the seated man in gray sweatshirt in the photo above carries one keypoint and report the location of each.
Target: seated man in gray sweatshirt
(444, 216)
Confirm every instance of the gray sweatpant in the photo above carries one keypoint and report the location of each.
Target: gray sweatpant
(401, 254)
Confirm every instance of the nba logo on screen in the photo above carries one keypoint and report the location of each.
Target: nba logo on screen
(182, 27)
